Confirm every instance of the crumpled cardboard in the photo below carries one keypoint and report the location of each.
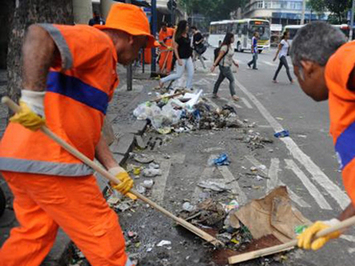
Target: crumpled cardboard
(273, 214)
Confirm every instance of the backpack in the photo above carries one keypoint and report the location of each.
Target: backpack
(216, 53)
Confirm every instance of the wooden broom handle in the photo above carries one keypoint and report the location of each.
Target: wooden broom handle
(14, 107)
(275, 249)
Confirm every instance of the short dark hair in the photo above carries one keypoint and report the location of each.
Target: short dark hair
(316, 42)
(164, 24)
(193, 27)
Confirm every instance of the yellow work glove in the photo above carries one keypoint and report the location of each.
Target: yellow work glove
(126, 182)
(306, 239)
(28, 118)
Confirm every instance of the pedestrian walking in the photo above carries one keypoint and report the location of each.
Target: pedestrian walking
(67, 86)
(183, 53)
(254, 51)
(282, 52)
(324, 63)
(225, 61)
(198, 46)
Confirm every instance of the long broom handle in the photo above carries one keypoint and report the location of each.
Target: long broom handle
(15, 108)
(275, 249)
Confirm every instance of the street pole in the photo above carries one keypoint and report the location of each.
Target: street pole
(303, 11)
(172, 12)
(154, 33)
(129, 69)
(351, 21)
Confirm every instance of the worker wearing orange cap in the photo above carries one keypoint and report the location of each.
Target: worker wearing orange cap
(67, 85)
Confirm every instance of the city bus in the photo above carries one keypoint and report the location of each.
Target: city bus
(292, 29)
(243, 31)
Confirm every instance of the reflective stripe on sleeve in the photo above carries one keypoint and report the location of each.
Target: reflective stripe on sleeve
(66, 56)
(44, 168)
(345, 146)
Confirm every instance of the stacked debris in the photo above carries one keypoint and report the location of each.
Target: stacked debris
(181, 112)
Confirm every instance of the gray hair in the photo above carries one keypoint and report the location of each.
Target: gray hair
(316, 42)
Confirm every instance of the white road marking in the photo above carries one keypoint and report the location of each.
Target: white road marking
(215, 106)
(212, 149)
(275, 181)
(312, 189)
(256, 163)
(229, 178)
(273, 175)
(268, 63)
(158, 189)
(349, 238)
(247, 104)
(339, 196)
(206, 174)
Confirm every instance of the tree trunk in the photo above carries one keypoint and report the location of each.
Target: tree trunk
(27, 12)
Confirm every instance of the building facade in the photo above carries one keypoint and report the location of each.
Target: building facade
(284, 12)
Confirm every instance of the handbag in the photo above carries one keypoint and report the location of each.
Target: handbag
(201, 48)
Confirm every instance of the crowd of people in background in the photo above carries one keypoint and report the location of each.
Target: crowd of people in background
(178, 49)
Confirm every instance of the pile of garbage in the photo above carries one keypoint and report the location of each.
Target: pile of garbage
(182, 111)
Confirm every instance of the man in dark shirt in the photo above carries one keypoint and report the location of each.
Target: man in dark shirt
(197, 43)
(96, 19)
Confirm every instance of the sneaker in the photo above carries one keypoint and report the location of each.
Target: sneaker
(215, 96)
(249, 66)
(255, 68)
(274, 81)
(235, 98)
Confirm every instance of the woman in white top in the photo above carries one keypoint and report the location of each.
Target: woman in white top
(225, 62)
(284, 47)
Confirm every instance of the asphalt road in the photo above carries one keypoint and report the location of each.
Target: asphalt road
(305, 163)
(312, 149)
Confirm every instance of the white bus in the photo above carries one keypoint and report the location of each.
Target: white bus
(293, 29)
(243, 31)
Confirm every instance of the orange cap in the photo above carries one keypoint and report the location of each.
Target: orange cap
(131, 19)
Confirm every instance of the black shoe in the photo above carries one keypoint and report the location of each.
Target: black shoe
(255, 68)
(249, 66)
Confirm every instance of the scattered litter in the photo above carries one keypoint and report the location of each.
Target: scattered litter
(123, 206)
(154, 165)
(282, 134)
(151, 172)
(187, 206)
(279, 118)
(186, 113)
(213, 185)
(148, 183)
(300, 229)
(136, 170)
(219, 161)
(142, 158)
(302, 136)
(113, 200)
(272, 215)
(232, 205)
(259, 178)
(206, 213)
(164, 243)
(140, 189)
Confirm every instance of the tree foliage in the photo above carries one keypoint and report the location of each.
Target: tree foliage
(212, 9)
(338, 8)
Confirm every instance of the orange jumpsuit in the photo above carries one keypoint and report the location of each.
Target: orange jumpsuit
(52, 188)
(342, 112)
(166, 57)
